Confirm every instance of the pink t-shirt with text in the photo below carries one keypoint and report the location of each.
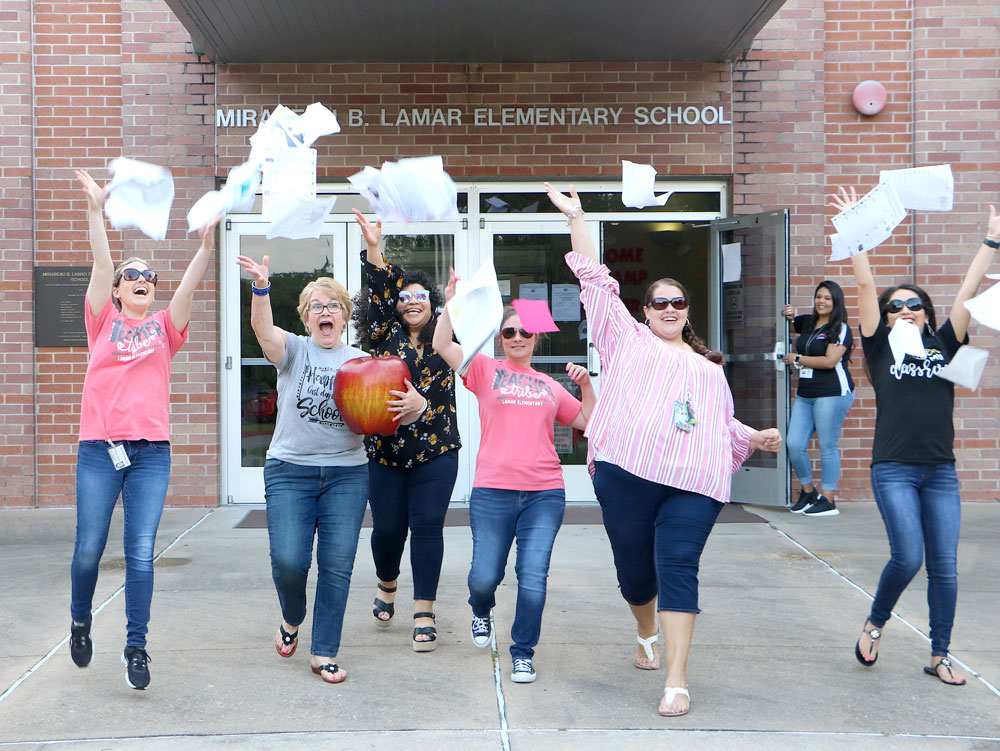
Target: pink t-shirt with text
(126, 392)
(517, 407)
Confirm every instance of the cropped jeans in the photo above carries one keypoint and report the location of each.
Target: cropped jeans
(823, 416)
(921, 509)
(498, 517)
(143, 489)
(323, 502)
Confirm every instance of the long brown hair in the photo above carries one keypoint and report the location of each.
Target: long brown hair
(687, 335)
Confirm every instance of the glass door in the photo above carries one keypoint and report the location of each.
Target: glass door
(249, 393)
(528, 257)
(753, 337)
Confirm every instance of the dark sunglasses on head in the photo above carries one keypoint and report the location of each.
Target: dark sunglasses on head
(509, 331)
(913, 303)
(130, 275)
(416, 296)
(661, 303)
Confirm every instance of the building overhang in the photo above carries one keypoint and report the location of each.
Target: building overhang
(472, 31)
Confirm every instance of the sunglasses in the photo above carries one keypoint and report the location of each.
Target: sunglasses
(508, 332)
(317, 307)
(661, 303)
(417, 296)
(130, 275)
(913, 303)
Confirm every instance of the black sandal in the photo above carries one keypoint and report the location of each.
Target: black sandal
(332, 669)
(933, 670)
(287, 640)
(384, 607)
(428, 645)
(875, 634)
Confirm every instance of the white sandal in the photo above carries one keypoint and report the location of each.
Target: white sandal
(647, 646)
(670, 693)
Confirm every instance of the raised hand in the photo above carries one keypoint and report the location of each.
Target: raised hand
(993, 226)
(372, 232)
(257, 270)
(578, 374)
(94, 192)
(843, 199)
(566, 204)
(451, 287)
(207, 233)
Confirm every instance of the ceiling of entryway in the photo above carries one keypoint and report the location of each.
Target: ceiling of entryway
(472, 30)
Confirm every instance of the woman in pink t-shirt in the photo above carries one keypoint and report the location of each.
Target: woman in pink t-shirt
(518, 489)
(125, 427)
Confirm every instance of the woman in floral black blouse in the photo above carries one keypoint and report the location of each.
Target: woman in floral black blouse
(412, 472)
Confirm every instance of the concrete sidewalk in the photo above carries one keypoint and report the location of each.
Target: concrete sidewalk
(772, 665)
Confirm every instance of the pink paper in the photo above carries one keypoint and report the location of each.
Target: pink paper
(535, 316)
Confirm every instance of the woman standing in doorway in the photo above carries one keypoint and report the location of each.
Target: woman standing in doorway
(518, 491)
(824, 395)
(125, 427)
(913, 459)
(316, 475)
(412, 472)
(662, 475)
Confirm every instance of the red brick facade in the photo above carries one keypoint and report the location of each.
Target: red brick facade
(84, 82)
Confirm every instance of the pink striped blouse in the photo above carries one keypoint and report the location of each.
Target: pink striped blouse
(642, 376)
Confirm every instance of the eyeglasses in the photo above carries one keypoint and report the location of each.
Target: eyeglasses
(130, 275)
(508, 332)
(913, 303)
(661, 303)
(333, 306)
(416, 296)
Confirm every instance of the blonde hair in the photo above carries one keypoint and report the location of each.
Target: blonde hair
(118, 276)
(331, 288)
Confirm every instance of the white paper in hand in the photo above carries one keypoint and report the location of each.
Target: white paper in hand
(212, 204)
(841, 251)
(476, 312)
(985, 308)
(237, 194)
(966, 367)
(871, 220)
(923, 188)
(637, 186)
(905, 339)
(299, 219)
(140, 195)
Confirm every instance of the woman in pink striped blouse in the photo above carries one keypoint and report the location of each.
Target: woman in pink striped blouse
(661, 475)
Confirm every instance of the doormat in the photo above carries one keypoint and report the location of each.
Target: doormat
(732, 513)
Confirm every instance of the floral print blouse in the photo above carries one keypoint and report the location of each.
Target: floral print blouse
(436, 431)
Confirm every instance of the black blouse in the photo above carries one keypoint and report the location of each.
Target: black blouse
(436, 431)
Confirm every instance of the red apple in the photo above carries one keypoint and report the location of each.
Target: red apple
(362, 389)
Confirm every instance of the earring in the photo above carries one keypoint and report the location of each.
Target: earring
(687, 323)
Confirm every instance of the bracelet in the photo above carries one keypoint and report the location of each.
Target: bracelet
(575, 213)
(991, 243)
(260, 291)
(426, 404)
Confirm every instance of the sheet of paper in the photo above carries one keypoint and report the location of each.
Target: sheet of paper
(872, 219)
(637, 186)
(209, 206)
(476, 312)
(140, 195)
(923, 188)
(566, 302)
(732, 263)
(535, 316)
(993, 276)
(904, 339)
(299, 219)
(966, 367)
(237, 194)
(289, 176)
(505, 287)
(841, 251)
(410, 190)
(985, 308)
(533, 291)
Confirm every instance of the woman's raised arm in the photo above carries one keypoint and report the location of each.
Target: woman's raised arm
(867, 293)
(102, 276)
(444, 343)
(959, 315)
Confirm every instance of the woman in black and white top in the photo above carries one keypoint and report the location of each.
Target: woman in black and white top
(824, 395)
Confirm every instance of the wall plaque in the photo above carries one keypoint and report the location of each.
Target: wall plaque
(60, 294)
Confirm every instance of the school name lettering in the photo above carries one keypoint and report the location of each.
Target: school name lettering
(498, 117)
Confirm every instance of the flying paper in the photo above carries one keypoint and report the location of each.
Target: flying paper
(410, 190)
(236, 195)
(966, 367)
(637, 186)
(871, 220)
(289, 176)
(985, 308)
(300, 219)
(476, 312)
(905, 339)
(535, 316)
(841, 250)
(923, 188)
(140, 195)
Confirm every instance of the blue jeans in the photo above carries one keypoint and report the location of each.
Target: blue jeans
(143, 488)
(497, 517)
(823, 416)
(657, 534)
(303, 502)
(921, 511)
(417, 500)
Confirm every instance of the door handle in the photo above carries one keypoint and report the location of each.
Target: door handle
(777, 355)
(591, 354)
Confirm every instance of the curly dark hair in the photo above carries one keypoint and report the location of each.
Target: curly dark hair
(364, 316)
(687, 334)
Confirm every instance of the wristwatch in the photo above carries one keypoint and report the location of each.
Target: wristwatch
(797, 358)
(991, 243)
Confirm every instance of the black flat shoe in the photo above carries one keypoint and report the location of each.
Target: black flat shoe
(875, 634)
(384, 607)
(933, 670)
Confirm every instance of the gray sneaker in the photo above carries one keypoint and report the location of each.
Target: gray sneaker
(805, 501)
(822, 507)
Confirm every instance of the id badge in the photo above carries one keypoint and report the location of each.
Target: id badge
(683, 416)
(806, 373)
(118, 456)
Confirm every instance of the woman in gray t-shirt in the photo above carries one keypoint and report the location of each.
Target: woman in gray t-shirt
(316, 474)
